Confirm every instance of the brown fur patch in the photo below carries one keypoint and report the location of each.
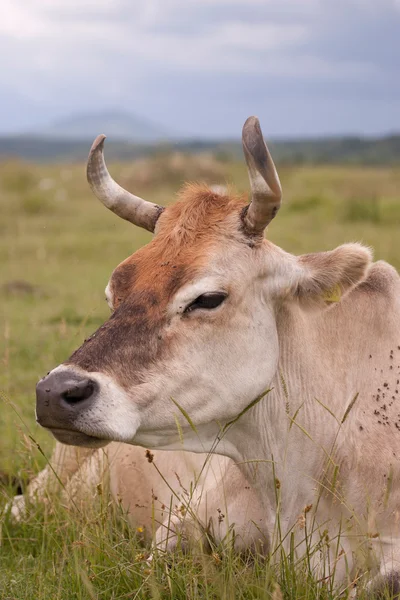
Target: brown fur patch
(143, 285)
(128, 341)
(199, 213)
(185, 233)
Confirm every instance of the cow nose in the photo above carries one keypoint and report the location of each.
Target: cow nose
(65, 386)
(77, 391)
(61, 394)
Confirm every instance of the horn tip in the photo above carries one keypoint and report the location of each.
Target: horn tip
(251, 122)
(251, 131)
(98, 143)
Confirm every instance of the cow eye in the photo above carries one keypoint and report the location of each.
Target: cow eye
(207, 301)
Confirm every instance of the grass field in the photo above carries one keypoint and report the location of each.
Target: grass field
(58, 246)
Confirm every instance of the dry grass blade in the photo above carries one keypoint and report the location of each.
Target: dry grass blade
(348, 409)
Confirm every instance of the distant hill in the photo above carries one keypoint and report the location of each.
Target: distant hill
(119, 125)
(345, 150)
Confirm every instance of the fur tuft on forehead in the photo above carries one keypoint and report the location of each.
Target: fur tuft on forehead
(184, 234)
(197, 214)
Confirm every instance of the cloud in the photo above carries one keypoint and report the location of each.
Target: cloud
(169, 59)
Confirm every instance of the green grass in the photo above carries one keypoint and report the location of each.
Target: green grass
(58, 246)
(54, 556)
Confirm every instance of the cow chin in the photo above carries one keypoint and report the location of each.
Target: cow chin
(77, 438)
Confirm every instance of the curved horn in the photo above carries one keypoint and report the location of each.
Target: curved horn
(266, 191)
(113, 196)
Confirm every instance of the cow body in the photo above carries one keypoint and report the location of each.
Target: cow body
(167, 496)
(330, 426)
(287, 365)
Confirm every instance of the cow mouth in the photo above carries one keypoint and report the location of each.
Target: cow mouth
(77, 438)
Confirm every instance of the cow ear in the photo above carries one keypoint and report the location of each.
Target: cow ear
(325, 277)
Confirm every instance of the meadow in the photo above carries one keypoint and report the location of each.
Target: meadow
(58, 247)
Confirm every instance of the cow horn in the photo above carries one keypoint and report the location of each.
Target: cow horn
(113, 196)
(266, 191)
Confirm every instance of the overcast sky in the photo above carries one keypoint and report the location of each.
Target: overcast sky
(305, 67)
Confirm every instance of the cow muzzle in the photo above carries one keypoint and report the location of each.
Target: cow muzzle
(60, 399)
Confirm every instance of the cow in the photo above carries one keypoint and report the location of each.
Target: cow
(177, 498)
(288, 365)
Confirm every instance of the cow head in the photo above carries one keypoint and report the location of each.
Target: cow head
(194, 313)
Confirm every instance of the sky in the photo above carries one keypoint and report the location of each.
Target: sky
(200, 67)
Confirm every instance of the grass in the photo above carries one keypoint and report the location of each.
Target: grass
(58, 246)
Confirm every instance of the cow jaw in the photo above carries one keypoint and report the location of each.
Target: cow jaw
(75, 438)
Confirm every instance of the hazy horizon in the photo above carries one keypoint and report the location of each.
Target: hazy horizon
(49, 131)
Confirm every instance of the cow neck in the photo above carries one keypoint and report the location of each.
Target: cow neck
(321, 370)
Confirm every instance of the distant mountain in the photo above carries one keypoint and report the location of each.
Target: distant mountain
(117, 125)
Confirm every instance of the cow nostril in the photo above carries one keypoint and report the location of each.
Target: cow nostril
(79, 391)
